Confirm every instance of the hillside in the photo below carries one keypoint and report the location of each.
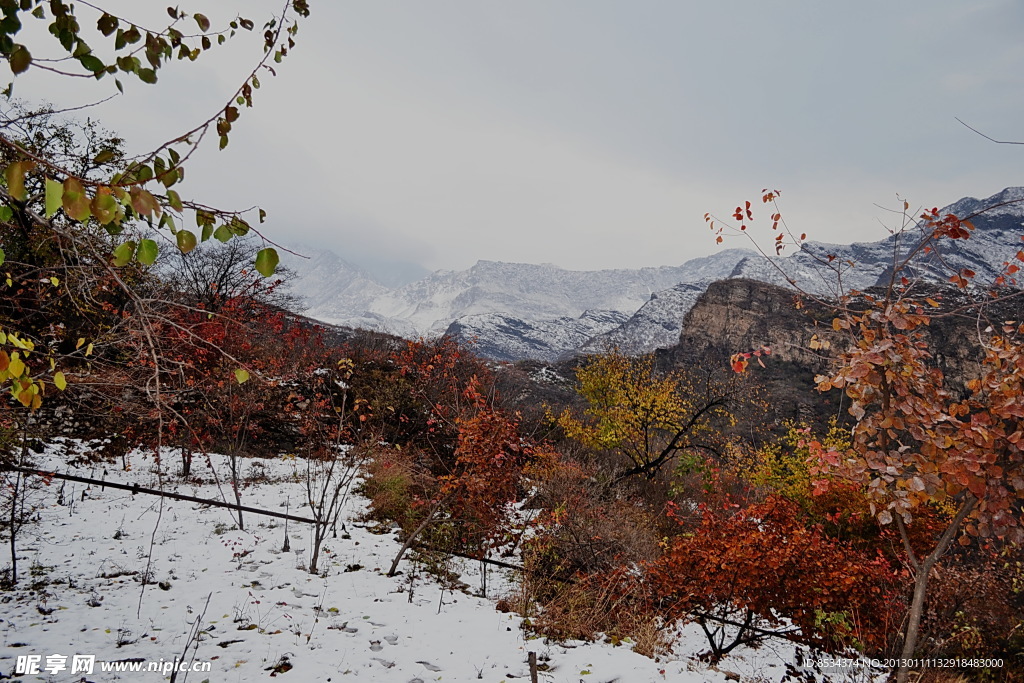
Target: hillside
(236, 602)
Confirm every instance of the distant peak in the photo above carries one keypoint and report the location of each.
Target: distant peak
(997, 201)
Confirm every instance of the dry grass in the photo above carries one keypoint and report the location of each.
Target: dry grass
(612, 607)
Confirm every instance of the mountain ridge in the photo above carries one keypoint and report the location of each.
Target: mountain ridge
(512, 311)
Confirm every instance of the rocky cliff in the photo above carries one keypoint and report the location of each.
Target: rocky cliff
(740, 315)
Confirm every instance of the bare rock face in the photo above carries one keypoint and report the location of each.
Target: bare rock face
(740, 315)
(744, 315)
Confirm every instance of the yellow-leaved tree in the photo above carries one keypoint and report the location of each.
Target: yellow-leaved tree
(650, 417)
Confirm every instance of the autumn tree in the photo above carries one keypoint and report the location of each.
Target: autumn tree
(483, 480)
(76, 267)
(766, 571)
(85, 204)
(918, 442)
(649, 417)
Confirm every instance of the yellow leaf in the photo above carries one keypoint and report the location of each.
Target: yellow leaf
(241, 375)
(88, 350)
(59, 381)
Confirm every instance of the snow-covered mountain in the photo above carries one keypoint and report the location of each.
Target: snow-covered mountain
(503, 337)
(329, 285)
(995, 240)
(539, 298)
(656, 325)
(512, 311)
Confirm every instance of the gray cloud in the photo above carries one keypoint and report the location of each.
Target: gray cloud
(596, 134)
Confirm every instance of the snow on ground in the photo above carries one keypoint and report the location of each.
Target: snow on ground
(256, 609)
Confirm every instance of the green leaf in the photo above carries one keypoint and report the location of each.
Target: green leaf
(15, 176)
(124, 253)
(147, 76)
(92, 63)
(107, 24)
(60, 381)
(103, 157)
(6, 214)
(186, 241)
(20, 59)
(241, 375)
(147, 252)
(204, 23)
(54, 196)
(222, 233)
(266, 261)
(128, 64)
(104, 206)
(75, 201)
(3, 257)
(174, 199)
(239, 226)
(207, 232)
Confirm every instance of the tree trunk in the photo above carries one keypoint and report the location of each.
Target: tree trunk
(186, 462)
(412, 537)
(921, 588)
(319, 532)
(234, 466)
(13, 528)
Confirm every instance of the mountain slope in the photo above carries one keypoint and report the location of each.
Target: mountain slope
(503, 337)
(527, 292)
(998, 222)
(514, 310)
(656, 325)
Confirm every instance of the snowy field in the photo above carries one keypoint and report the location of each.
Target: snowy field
(234, 603)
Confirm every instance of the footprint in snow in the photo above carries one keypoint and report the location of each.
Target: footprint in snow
(385, 663)
(429, 667)
(375, 646)
(392, 640)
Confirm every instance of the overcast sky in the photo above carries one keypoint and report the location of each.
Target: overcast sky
(590, 133)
